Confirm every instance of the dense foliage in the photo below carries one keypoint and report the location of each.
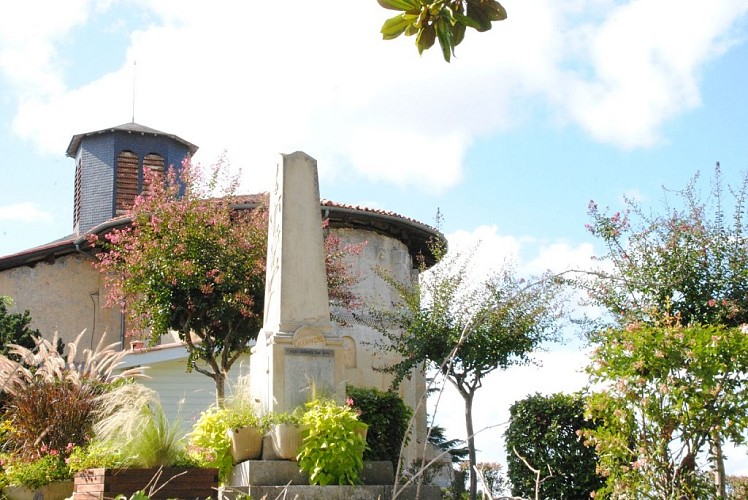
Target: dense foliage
(191, 264)
(443, 20)
(465, 329)
(689, 261)
(686, 266)
(671, 394)
(196, 265)
(387, 416)
(14, 328)
(546, 431)
(333, 446)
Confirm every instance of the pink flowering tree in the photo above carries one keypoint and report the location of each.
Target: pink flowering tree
(689, 261)
(686, 266)
(191, 263)
(669, 391)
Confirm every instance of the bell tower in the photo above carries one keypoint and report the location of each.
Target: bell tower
(110, 165)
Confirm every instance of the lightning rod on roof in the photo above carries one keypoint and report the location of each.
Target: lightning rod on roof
(134, 64)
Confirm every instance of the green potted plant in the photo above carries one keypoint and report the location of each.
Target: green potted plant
(333, 445)
(285, 432)
(245, 433)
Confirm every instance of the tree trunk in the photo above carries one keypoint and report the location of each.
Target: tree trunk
(468, 397)
(719, 466)
(220, 380)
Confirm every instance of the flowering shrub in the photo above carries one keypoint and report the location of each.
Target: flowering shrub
(669, 394)
(689, 261)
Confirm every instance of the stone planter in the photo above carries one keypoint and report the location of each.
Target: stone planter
(52, 491)
(165, 482)
(286, 440)
(246, 443)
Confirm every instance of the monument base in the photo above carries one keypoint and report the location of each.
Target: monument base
(283, 479)
(284, 472)
(371, 492)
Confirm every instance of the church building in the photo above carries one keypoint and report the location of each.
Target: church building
(64, 293)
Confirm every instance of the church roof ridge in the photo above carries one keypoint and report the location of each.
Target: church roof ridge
(131, 128)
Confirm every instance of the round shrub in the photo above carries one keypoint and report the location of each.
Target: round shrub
(387, 416)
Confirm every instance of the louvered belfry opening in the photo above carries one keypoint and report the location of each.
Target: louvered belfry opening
(77, 200)
(116, 164)
(127, 181)
(153, 164)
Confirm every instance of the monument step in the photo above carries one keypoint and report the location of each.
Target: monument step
(285, 472)
(371, 492)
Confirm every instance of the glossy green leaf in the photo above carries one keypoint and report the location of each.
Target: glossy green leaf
(426, 38)
(458, 33)
(477, 12)
(400, 4)
(394, 27)
(444, 34)
(467, 21)
(496, 11)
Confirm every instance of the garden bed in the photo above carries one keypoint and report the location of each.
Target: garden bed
(166, 482)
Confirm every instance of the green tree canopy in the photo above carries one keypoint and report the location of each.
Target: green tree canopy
(14, 328)
(467, 329)
(670, 394)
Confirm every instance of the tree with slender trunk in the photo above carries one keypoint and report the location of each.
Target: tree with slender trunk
(466, 329)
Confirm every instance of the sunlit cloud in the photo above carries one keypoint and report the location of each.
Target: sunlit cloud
(24, 212)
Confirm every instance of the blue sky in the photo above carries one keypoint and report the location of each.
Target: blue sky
(562, 103)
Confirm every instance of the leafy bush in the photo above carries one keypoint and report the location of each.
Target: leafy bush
(36, 473)
(95, 455)
(209, 443)
(333, 446)
(285, 417)
(545, 431)
(387, 417)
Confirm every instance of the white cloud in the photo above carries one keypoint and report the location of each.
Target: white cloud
(490, 250)
(645, 60)
(281, 76)
(24, 212)
(29, 33)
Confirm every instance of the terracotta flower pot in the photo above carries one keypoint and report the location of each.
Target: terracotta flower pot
(246, 443)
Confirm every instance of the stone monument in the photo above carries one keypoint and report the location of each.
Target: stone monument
(296, 349)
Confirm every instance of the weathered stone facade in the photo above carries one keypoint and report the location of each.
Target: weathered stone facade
(64, 297)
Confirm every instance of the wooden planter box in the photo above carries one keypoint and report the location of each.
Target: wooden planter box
(171, 483)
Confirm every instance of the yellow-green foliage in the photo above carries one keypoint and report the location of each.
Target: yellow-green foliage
(333, 446)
